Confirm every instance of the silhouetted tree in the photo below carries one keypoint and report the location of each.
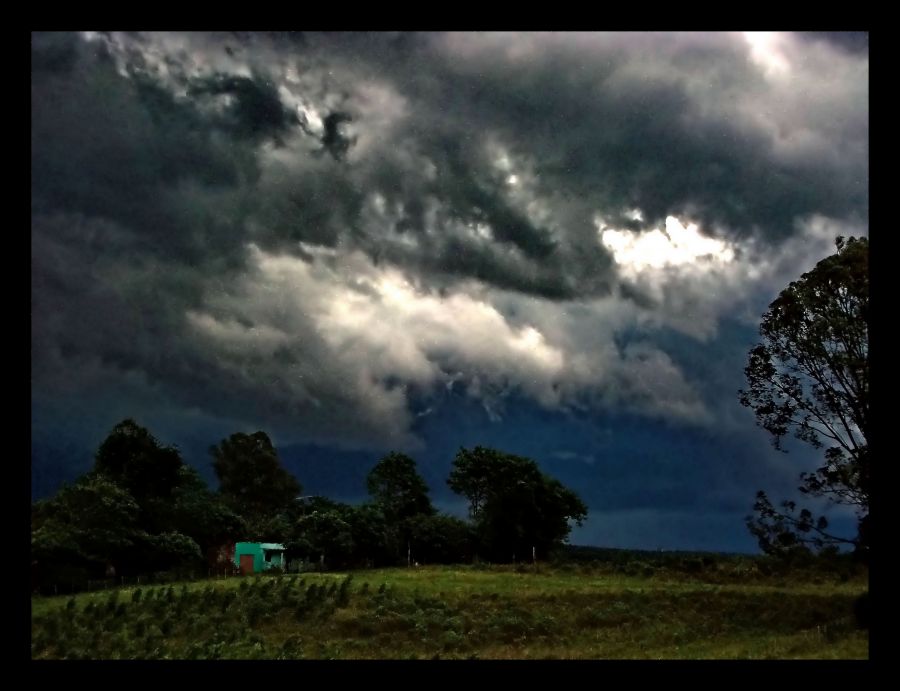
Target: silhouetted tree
(397, 488)
(440, 539)
(133, 458)
(251, 477)
(83, 529)
(375, 543)
(140, 509)
(203, 515)
(168, 551)
(324, 535)
(514, 506)
(401, 494)
(810, 377)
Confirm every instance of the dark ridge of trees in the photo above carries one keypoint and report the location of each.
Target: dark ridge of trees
(142, 511)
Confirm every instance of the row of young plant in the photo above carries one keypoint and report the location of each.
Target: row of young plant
(162, 622)
(294, 617)
(212, 623)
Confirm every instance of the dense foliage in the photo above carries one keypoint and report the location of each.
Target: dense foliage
(251, 477)
(517, 511)
(125, 520)
(810, 377)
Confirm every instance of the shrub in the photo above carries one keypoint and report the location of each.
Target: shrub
(313, 593)
(692, 565)
(344, 592)
(291, 646)
(254, 611)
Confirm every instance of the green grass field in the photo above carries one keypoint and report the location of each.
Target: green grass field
(463, 612)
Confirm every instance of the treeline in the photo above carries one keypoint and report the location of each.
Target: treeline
(142, 511)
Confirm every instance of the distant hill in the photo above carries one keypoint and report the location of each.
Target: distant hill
(587, 553)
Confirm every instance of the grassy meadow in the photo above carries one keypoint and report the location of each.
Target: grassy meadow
(730, 610)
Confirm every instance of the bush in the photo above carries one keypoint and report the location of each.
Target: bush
(692, 565)
(344, 592)
(254, 611)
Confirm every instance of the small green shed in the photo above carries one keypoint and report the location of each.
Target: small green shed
(255, 557)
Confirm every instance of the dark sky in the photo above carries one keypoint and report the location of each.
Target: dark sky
(556, 244)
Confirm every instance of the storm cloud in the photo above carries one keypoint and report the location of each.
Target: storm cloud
(323, 234)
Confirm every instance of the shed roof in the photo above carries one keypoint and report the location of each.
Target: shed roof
(271, 545)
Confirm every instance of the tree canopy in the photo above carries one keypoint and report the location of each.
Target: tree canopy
(810, 377)
(514, 506)
(133, 458)
(400, 494)
(398, 489)
(251, 476)
(92, 521)
(202, 514)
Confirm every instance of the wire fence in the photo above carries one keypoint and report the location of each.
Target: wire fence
(159, 578)
(218, 572)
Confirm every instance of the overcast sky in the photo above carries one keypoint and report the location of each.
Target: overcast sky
(556, 244)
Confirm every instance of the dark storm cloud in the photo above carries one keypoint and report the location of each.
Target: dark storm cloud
(124, 150)
(254, 111)
(54, 52)
(626, 121)
(608, 123)
(333, 139)
(159, 159)
(852, 41)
